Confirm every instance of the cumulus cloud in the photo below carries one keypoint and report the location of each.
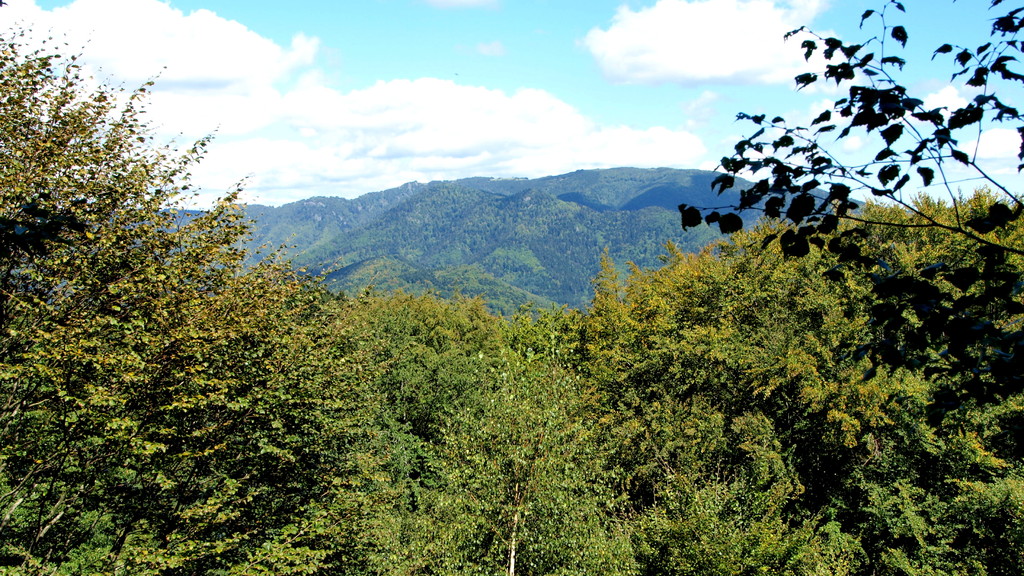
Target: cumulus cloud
(282, 126)
(949, 98)
(996, 144)
(696, 42)
(430, 129)
(198, 51)
(212, 74)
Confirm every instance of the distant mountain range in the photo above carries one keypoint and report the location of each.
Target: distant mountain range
(510, 240)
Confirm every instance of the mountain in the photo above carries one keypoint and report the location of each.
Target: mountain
(511, 240)
(389, 274)
(616, 188)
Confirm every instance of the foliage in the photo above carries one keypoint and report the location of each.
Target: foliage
(539, 240)
(390, 275)
(167, 409)
(154, 397)
(806, 184)
(523, 490)
(746, 436)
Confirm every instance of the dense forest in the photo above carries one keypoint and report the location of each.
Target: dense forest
(167, 408)
(513, 241)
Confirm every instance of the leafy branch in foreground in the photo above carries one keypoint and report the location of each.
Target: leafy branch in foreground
(956, 317)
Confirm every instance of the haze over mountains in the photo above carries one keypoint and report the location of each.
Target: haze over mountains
(512, 241)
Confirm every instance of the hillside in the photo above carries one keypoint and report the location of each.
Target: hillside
(536, 240)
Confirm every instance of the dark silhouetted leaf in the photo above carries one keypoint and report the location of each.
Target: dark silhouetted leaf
(962, 278)
(800, 207)
(899, 34)
(888, 173)
(980, 77)
(794, 244)
(806, 79)
(884, 154)
(983, 225)
(722, 182)
(927, 175)
(730, 223)
(892, 133)
(1000, 214)
(894, 60)
(690, 215)
(809, 47)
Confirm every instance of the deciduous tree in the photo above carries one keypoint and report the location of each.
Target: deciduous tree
(957, 319)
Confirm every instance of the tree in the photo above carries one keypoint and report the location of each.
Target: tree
(956, 318)
(525, 491)
(162, 408)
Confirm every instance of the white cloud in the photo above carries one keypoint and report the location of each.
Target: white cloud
(282, 125)
(853, 143)
(701, 109)
(430, 129)
(495, 48)
(704, 41)
(199, 51)
(212, 74)
(949, 97)
(996, 144)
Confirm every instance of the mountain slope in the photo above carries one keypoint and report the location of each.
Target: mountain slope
(390, 274)
(543, 236)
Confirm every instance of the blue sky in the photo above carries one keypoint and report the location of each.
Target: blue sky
(343, 97)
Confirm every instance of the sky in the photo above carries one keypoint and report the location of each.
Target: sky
(343, 97)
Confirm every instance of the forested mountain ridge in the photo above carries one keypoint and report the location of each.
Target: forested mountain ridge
(540, 239)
